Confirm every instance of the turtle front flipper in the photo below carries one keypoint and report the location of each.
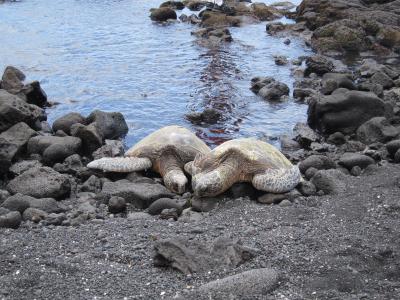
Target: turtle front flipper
(121, 164)
(277, 180)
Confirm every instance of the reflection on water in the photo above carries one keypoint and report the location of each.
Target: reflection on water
(108, 55)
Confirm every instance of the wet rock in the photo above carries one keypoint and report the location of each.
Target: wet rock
(13, 110)
(34, 94)
(12, 79)
(275, 91)
(377, 130)
(333, 81)
(350, 160)
(163, 14)
(307, 188)
(281, 60)
(112, 148)
(337, 138)
(319, 65)
(195, 5)
(301, 94)
(173, 4)
(90, 136)
(41, 182)
(64, 123)
(329, 181)
(141, 195)
(34, 215)
(304, 135)
(216, 19)
(194, 257)
(344, 112)
(288, 144)
(167, 203)
(204, 204)
(264, 12)
(10, 220)
(110, 125)
(13, 142)
(255, 282)
(116, 205)
(271, 198)
(208, 116)
(319, 162)
(392, 147)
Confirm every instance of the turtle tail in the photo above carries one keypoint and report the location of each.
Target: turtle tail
(121, 164)
(277, 180)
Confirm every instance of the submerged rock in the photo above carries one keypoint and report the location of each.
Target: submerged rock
(163, 14)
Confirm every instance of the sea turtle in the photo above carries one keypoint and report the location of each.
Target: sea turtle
(165, 151)
(242, 160)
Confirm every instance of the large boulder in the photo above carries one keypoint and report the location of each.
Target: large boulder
(12, 79)
(34, 94)
(13, 142)
(344, 111)
(41, 182)
(90, 136)
(141, 195)
(377, 130)
(14, 110)
(110, 125)
(163, 14)
(64, 123)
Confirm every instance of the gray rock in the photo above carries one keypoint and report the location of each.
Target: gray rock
(110, 125)
(190, 257)
(319, 162)
(90, 136)
(3, 196)
(13, 142)
(392, 147)
(288, 144)
(304, 135)
(10, 220)
(86, 208)
(112, 148)
(333, 81)
(204, 204)
(281, 60)
(253, 283)
(48, 205)
(64, 123)
(34, 215)
(381, 78)
(3, 211)
(350, 160)
(353, 146)
(14, 110)
(141, 195)
(71, 165)
(310, 173)
(329, 181)
(167, 203)
(17, 202)
(39, 144)
(116, 205)
(12, 79)
(307, 188)
(397, 156)
(93, 185)
(169, 213)
(242, 189)
(55, 219)
(344, 112)
(275, 91)
(319, 65)
(57, 153)
(138, 216)
(356, 171)
(377, 130)
(337, 138)
(285, 203)
(41, 182)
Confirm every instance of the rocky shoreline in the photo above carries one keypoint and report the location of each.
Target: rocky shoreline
(335, 236)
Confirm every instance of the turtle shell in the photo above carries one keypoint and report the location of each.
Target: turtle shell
(179, 140)
(253, 152)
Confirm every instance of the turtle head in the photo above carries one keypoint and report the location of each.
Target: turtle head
(175, 181)
(208, 184)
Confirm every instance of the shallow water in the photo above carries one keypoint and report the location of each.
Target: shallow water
(108, 55)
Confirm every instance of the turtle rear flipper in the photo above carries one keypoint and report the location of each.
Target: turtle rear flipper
(277, 180)
(121, 164)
